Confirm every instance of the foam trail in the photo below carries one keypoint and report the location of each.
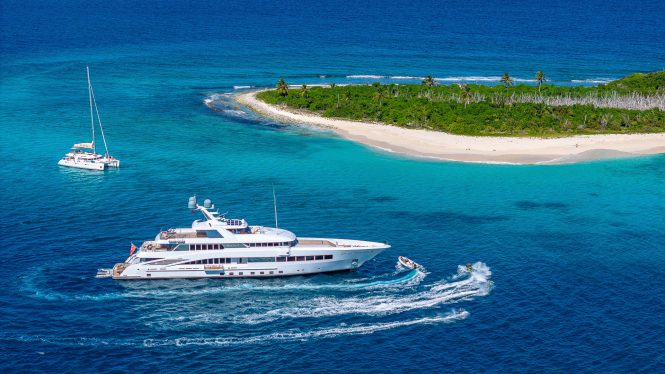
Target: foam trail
(411, 278)
(298, 335)
(473, 284)
(292, 335)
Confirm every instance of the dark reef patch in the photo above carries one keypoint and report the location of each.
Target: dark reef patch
(383, 199)
(530, 205)
(450, 217)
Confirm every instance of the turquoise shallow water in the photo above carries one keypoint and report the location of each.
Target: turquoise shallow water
(571, 255)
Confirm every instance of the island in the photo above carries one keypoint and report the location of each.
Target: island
(506, 123)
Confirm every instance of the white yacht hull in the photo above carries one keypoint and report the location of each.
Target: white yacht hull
(82, 164)
(345, 258)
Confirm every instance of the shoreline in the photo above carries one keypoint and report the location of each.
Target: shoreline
(442, 146)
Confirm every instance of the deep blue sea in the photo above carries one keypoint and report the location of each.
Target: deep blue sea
(570, 257)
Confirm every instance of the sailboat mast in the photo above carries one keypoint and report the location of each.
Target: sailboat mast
(92, 118)
(99, 120)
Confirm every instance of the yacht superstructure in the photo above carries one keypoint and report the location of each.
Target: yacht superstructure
(84, 155)
(219, 247)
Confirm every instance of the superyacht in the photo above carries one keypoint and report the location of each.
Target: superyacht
(220, 247)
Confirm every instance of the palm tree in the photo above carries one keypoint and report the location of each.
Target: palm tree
(429, 81)
(506, 79)
(540, 78)
(380, 95)
(282, 87)
(304, 91)
(333, 85)
(465, 93)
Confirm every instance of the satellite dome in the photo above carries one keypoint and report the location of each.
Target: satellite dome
(192, 203)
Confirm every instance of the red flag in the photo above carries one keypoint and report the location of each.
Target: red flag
(132, 249)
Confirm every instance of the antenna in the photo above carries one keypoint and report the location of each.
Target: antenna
(274, 203)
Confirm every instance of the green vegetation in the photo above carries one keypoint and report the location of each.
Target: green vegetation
(634, 104)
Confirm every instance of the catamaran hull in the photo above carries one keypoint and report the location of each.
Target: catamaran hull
(82, 165)
(343, 260)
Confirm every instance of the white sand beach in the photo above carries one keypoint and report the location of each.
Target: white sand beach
(443, 146)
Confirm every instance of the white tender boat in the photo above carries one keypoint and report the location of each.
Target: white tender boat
(409, 263)
(219, 247)
(84, 155)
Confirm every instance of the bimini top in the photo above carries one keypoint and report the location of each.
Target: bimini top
(84, 145)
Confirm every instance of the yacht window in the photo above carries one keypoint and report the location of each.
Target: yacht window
(281, 272)
(213, 234)
(328, 257)
(240, 273)
(216, 261)
(227, 260)
(291, 258)
(281, 259)
(300, 258)
(319, 257)
(231, 273)
(272, 272)
(252, 273)
(310, 258)
(261, 273)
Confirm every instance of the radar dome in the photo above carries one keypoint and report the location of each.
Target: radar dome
(192, 203)
(207, 203)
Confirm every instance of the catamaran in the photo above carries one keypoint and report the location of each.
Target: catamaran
(84, 155)
(220, 247)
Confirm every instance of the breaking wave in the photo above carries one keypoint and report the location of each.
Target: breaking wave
(593, 80)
